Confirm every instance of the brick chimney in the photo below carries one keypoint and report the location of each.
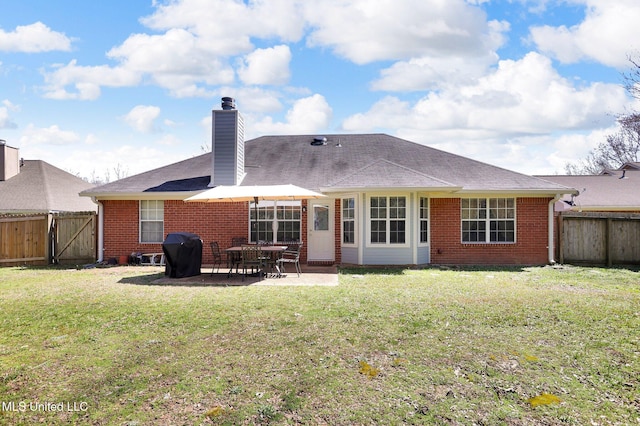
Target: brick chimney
(227, 145)
(9, 161)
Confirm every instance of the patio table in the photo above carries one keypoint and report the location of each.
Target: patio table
(274, 253)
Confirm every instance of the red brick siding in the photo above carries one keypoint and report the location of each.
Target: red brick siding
(531, 236)
(211, 221)
(222, 221)
(338, 230)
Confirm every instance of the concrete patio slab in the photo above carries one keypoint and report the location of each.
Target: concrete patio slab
(311, 276)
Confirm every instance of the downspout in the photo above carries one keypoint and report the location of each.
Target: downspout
(551, 244)
(100, 229)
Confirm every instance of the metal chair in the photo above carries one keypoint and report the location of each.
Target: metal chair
(252, 258)
(291, 255)
(236, 258)
(217, 256)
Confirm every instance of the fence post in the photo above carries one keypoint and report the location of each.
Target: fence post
(560, 238)
(609, 243)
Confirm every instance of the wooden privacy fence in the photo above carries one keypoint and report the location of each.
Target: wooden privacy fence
(41, 239)
(599, 238)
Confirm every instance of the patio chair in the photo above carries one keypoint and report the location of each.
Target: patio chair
(236, 258)
(252, 258)
(217, 256)
(291, 255)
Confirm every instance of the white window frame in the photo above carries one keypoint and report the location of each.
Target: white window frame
(353, 220)
(155, 220)
(488, 219)
(420, 219)
(271, 210)
(388, 219)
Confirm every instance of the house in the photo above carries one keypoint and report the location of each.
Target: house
(388, 201)
(35, 186)
(600, 224)
(611, 191)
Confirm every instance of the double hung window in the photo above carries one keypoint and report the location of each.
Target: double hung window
(387, 220)
(348, 221)
(488, 220)
(151, 221)
(423, 218)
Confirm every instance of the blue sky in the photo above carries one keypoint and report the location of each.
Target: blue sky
(529, 85)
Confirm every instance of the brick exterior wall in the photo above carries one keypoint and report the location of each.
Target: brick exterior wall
(222, 221)
(531, 247)
(211, 221)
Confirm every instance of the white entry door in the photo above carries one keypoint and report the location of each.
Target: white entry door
(320, 231)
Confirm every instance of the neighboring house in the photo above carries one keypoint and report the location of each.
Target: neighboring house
(389, 201)
(612, 191)
(35, 186)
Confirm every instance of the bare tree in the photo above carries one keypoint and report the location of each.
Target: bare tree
(621, 147)
(119, 171)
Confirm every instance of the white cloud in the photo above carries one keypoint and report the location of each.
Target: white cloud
(142, 118)
(202, 40)
(608, 34)
(83, 161)
(307, 115)
(572, 148)
(428, 73)
(254, 100)
(519, 97)
(502, 116)
(229, 24)
(364, 31)
(266, 66)
(50, 136)
(33, 38)
(91, 139)
(6, 122)
(86, 80)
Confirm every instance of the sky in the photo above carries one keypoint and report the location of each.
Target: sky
(111, 89)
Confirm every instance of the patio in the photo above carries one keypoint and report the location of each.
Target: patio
(311, 276)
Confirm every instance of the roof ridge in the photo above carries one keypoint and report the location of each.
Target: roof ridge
(46, 184)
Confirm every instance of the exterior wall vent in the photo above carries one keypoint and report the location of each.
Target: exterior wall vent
(319, 141)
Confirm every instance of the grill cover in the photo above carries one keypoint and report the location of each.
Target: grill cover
(183, 255)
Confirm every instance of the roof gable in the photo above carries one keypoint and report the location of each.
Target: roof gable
(41, 187)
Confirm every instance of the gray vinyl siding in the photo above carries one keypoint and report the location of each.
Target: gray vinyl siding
(227, 147)
(424, 255)
(350, 255)
(388, 256)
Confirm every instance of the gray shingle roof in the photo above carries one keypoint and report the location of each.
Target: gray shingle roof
(346, 161)
(41, 187)
(603, 192)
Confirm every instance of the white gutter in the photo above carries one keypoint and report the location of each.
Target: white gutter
(551, 244)
(100, 230)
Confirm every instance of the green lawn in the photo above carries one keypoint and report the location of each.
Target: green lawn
(473, 346)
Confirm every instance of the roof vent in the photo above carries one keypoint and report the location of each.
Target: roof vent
(319, 141)
(228, 104)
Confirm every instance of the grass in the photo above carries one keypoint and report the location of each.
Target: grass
(553, 346)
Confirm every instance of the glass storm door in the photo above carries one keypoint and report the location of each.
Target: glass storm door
(321, 231)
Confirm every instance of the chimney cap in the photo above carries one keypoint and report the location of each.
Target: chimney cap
(3, 142)
(228, 103)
